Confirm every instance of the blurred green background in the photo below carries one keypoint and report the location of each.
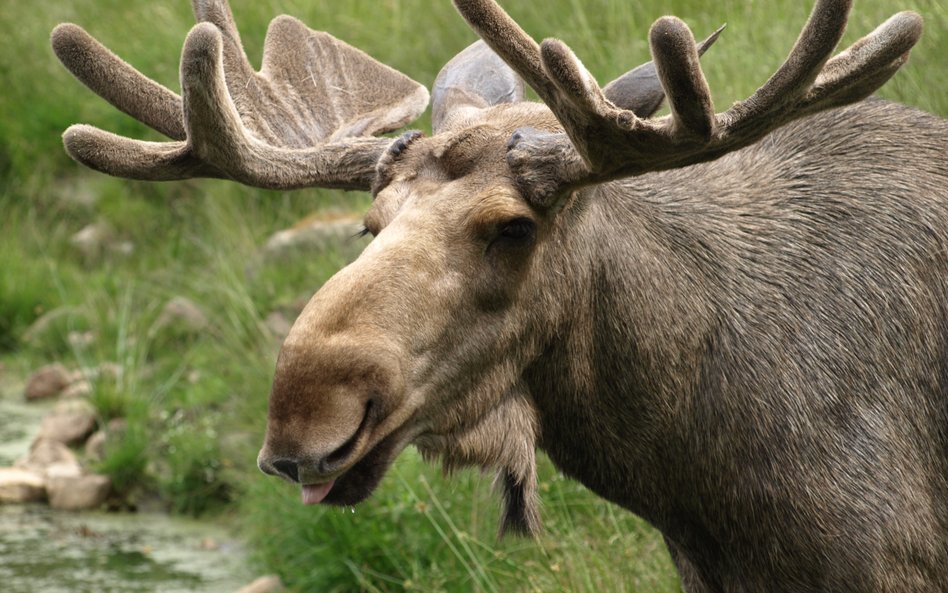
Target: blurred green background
(195, 402)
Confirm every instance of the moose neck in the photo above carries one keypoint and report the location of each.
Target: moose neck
(615, 380)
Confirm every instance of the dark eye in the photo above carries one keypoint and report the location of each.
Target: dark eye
(518, 229)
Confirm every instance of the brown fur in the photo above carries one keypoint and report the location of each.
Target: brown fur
(752, 354)
(746, 344)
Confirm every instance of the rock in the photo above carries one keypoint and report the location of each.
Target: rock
(48, 381)
(278, 325)
(45, 453)
(20, 485)
(77, 492)
(95, 446)
(267, 584)
(181, 315)
(122, 248)
(316, 233)
(78, 389)
(92, 241)
(62, 470)
(70, 422)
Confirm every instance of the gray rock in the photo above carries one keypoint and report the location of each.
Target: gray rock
(71, 492)
(48, 381)
(80, 388)
(45, 453)
(181, 315)
(62, 470)
(334, 231)
(267, 584)
(20, 485)
(92, 241)
(70, 422)
(278, 325)
(95, 446)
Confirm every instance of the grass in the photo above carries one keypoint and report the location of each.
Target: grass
(194, 404)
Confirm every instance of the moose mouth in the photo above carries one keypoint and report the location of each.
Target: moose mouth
(358, 482)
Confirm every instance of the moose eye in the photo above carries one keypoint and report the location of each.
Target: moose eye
(518, 229)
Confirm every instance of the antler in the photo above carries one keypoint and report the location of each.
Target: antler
(604, 142)
(297, 122)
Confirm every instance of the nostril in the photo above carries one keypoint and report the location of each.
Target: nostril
(288, 468)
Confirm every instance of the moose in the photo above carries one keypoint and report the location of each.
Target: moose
(733, 324)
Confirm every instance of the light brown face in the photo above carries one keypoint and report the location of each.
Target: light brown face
(422, 336)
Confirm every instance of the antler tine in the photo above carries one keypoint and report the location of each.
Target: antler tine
(862, 68)
(214, 129)
(117, 82)
(639, 90)
(509, 41)
(218, 13)
(813, 48)
(676, 60)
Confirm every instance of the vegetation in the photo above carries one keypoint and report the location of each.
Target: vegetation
(194, 404)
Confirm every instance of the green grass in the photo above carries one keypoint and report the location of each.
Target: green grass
(195, 404)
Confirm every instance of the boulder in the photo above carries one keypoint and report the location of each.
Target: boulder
(267, 584)
(80, 388)
(95, 446)
(70, 422)
(72, 492)
(45, 453)
(337, 231)
(278, 325)
(20, 485)
(62, 470)
(47, 381)
(182, 316)
(92, 241)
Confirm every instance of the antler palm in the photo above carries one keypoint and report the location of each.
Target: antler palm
(295, 123)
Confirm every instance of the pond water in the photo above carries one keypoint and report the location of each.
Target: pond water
(47, 551)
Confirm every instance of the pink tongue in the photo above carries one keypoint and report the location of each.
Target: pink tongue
(316, 493)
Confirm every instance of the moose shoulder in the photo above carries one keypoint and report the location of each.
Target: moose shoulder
(732, 324)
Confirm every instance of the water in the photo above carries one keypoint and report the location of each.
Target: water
(47, 551)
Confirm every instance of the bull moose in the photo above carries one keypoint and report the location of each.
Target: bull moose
(732, 324)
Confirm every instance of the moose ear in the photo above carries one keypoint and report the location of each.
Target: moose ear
(476, 78)
(639, 90)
